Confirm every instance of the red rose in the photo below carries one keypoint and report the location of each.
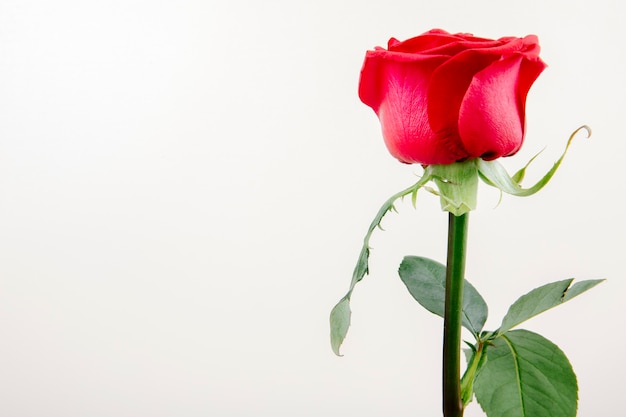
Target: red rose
(443, 98)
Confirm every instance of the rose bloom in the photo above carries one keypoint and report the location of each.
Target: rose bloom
(443, 98)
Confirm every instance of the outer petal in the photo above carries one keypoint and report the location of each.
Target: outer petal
(423, 43)
(529, 71)
(397, 91)
(447, 90)
(380, 64)
(443, 98)
(491, 120)
(531, 47)
(451, 81)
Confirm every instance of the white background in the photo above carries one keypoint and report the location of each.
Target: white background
(184, 186)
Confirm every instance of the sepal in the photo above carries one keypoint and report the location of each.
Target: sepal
(494, 174)
(458, 186)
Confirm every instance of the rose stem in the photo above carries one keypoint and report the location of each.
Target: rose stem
(455, 269)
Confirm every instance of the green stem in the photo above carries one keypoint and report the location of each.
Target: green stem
(455, 270)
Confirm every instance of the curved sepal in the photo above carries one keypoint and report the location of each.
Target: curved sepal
(341, 313)
(339, 323)
(494, 174)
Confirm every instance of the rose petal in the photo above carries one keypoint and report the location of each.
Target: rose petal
(422, 43)
(491, 115)
(405, 124)
(396, 90)
(439, 98)
(529, 71)
(531, 47)
(378, 63)
(447, 90)
(442, 43)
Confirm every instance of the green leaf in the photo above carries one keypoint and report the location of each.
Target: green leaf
(580, 287)
(541, 299)
(495, 175)
(339, 323)
(426, 281)
(526, 375)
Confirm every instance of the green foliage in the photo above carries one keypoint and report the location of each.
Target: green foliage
(518, 373)
(543, 298)
(426, 281)
(458, 186)
(526, 375)
(340, 314)
(494, 174)
(339, 323)
(457, 189)
(475, 360)
(513, 373)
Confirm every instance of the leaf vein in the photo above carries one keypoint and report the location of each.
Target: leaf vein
(517, 373)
